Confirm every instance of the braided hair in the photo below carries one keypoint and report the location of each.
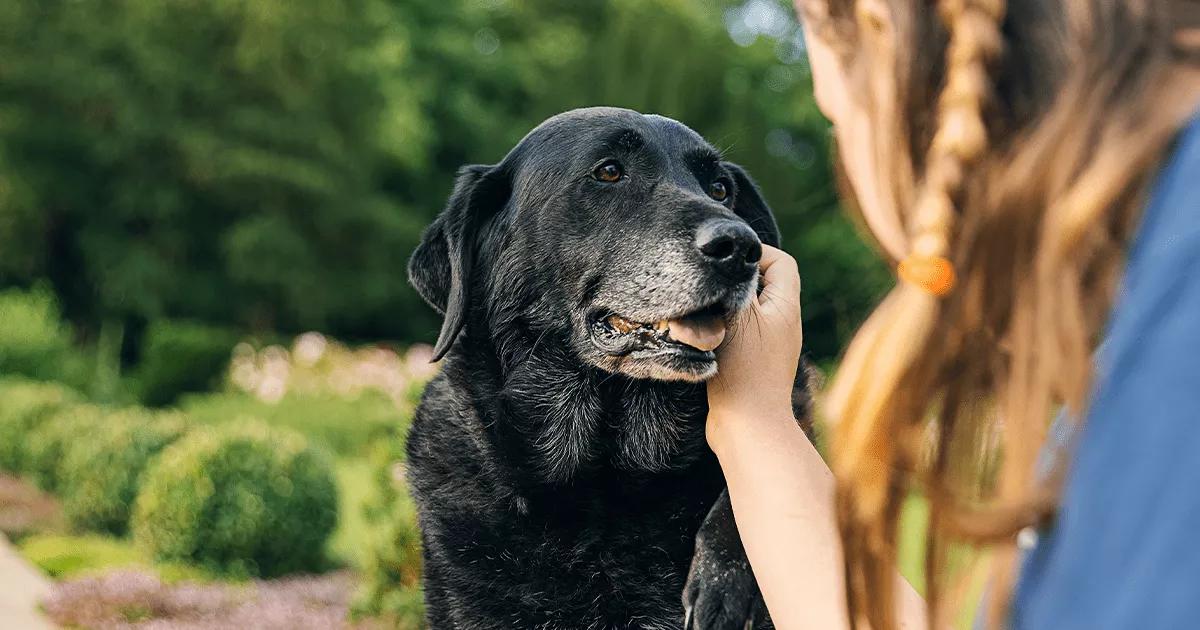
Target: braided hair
(905, 321)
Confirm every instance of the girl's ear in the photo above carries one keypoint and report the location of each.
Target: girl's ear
(749, 204)
(440, 268)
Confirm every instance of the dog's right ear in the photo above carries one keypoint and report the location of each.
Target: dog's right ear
(440, 267)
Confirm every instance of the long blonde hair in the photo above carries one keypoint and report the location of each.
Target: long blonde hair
(1017, 140)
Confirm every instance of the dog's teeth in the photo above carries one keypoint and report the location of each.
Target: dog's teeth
(662, 325)
(621, 325)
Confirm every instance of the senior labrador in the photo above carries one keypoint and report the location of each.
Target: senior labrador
(558, 461)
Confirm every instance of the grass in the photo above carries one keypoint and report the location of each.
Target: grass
(65, 556)
(62, 555)
(355, 485)
(910, 552)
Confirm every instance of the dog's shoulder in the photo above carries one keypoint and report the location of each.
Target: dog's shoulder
(446, 445)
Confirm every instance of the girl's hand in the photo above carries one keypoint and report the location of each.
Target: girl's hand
(757, 366)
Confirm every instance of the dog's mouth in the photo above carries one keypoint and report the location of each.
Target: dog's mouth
(702, 331)
(672, 344)
(677, 347)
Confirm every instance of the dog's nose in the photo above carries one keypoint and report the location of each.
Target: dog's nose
(729, 244)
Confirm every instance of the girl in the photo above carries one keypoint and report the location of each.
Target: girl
(1031, 166)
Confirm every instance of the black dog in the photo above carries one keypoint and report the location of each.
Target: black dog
(559, 461)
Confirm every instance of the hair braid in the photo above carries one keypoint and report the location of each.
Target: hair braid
(875, 407)
(961, 138)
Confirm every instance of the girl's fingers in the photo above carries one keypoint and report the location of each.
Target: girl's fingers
(780, 275)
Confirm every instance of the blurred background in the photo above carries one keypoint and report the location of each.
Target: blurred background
(206, 207)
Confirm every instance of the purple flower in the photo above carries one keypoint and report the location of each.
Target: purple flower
(138, 599)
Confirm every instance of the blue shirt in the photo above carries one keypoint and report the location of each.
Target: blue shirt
(1124, 551)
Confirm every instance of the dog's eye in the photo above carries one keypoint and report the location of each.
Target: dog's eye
(718, 190)
(609, 171)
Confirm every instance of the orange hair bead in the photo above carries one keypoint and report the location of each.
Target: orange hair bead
(932, 274)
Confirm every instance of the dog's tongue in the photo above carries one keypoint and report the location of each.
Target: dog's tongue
(701, 333)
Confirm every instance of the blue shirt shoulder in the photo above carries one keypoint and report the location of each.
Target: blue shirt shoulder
(1124, 551)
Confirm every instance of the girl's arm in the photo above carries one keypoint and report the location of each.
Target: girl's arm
(781, 490)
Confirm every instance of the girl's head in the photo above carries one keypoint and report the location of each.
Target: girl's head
(1014, 139)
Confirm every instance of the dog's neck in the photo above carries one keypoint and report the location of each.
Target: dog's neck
(567, 420)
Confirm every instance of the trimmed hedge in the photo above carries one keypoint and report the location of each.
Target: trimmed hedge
(24, 405)
(241, 501)
(48, 443)
(101, 475)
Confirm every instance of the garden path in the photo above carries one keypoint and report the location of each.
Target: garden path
(22, 587)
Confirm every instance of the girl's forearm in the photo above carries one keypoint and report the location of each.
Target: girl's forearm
(782, 495)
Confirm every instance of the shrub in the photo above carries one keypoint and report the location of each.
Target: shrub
(24, 405)
(392, 575)
(180, 357)
(243, 501)
(34, 340)
(42, 462)
(101, 475)
(392, 582)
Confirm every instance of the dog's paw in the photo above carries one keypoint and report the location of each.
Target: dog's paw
(721, 593)
(722, 596)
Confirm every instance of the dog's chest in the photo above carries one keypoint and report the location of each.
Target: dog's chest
(510, 546)
(584, 564)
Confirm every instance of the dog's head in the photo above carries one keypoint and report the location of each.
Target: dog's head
(623, 236)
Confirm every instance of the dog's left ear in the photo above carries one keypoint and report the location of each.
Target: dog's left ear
(749, 204)
(440, 268)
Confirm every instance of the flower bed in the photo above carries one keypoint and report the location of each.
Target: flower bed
(138, 599)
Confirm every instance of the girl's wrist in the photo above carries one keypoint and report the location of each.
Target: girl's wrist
(732, 427)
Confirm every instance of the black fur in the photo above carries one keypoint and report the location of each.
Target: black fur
(560, 485)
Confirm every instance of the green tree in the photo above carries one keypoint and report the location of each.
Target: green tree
(222, 160)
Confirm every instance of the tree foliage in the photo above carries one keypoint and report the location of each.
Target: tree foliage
(219, 159)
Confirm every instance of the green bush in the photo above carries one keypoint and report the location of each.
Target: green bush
(100, 475)
(48, 444)
(180, 357)
(23, 407)
(392, 572)
(347, 426)
(243, 501)
(392, 581)
(34, 340)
